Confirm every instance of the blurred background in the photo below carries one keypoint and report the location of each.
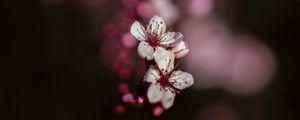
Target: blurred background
(74, 59)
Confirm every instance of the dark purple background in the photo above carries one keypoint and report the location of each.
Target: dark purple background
(52, 70)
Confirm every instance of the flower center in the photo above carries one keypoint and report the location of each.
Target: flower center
(153, 40)
(165, 84)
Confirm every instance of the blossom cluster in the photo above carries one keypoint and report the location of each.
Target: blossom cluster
(160, 48)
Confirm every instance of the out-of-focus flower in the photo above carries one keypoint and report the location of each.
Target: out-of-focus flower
(167, 9)
(128, 98)
(200, 8)
(239, 64)
(165, 83)
(123, 88)
(155, 42)
(209, 58)
(145, 9)
(128, 41)
(252, 68)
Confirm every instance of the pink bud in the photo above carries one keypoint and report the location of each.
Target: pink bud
(128, 98)
(123, 88)
(157, 111)
(140, 100)
(119, 109)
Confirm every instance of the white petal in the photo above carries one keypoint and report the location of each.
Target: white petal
(167, 38)
(156, 26)
(145, 50)
(154, 94)
(180, 50)
(181, 79)
(138, 31)
(167, 99)
(164, 59)
(152, 75)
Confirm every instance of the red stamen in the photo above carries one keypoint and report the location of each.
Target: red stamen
(153, 40)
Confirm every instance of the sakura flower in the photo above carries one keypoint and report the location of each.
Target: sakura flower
(165, 83)
(155, 41)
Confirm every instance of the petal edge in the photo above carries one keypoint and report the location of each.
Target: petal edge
(138, 31)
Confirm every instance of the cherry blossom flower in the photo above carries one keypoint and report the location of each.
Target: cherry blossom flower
(156, 41)
(166, 82)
